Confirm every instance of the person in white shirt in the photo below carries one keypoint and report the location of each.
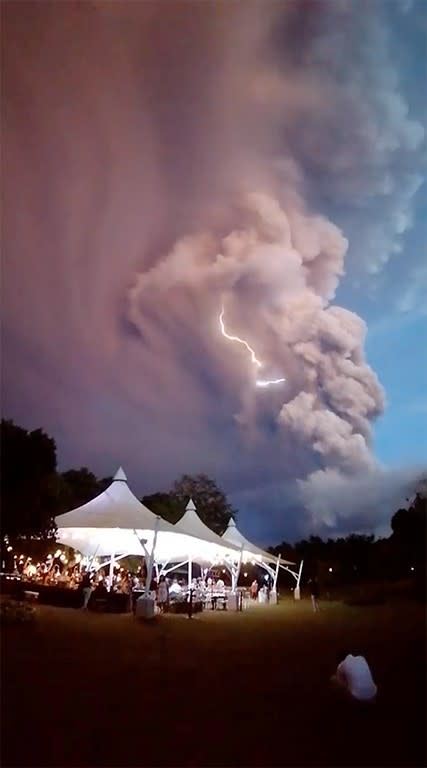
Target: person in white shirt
(354, 676)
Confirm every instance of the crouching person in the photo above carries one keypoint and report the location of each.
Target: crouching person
(354, 678)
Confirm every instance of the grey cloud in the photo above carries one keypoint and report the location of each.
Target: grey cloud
(337, 502)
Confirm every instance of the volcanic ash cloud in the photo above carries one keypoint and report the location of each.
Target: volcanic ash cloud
(277, 270)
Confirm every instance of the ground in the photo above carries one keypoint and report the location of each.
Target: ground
(222, 689)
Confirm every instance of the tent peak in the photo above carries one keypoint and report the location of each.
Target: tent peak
(120, 475)
(191, 507)
(231, 523)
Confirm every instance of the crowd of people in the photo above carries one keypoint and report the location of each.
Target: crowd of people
(57, 572)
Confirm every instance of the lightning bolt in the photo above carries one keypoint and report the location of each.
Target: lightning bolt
(254, 359)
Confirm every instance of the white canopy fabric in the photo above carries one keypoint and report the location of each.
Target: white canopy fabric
(233, 536)
(191, 524)
(100, 542)
(116, 522)
(116, 507)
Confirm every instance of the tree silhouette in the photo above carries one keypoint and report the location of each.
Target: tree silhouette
(211, 502)
(29, 483)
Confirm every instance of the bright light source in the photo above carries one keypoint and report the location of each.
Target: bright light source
(412, 568)
(58, 553)
(223, 570)
(266, 577)
(62, 558)
(330, 570)
(245, 574)
(254, 359)
(9, 549)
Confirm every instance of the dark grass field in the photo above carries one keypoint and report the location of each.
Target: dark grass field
(224, 689)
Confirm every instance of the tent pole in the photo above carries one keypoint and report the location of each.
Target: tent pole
(237, 572)
(111, 573)
(151, 558)
(297, 594)
(277, 573)
(190, 572)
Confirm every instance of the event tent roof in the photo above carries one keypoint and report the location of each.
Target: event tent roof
(233, 536)
(191, 524)
(116, 507)
(115, 522)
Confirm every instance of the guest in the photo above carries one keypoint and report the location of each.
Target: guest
(315, 593)
(254, 589)
(162, 594)
(87, 590)
(100, 590)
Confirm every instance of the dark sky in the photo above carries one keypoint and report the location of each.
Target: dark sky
(160, 160)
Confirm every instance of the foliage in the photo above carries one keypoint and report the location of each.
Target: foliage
(80, 486)
(166, 505)
(29, 483)
(211, 502)
(409, 530)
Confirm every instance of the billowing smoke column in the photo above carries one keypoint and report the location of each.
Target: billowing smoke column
(280, 273)
(161, 159)
(318, 115)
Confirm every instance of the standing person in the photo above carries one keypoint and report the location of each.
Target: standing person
(254, 589)
(354, 676)
(87, 590)
(162, 594)
(315, 593)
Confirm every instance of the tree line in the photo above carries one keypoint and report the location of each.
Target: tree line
(33, 492)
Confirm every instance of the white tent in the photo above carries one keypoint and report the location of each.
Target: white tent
(214, 547)
(250, 551)
(254, 554)
(117, 524)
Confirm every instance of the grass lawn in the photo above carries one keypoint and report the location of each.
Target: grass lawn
(224, 689)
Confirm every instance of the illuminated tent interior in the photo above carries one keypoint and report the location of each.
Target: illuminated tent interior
(251, 553)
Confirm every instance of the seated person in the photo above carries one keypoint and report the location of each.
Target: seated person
(100, 590)
(175, 591)
(354, 676)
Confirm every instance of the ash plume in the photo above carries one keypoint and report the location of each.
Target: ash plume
(161, 159)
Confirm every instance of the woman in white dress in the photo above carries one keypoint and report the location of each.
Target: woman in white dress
(162, 594)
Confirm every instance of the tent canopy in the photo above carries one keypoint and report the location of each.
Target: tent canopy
(116, 507)
(116, 522)
(233, 536)
(191, 524)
